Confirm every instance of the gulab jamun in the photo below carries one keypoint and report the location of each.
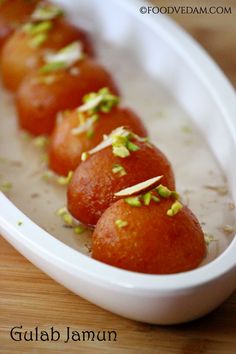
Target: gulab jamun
(24, 51)
(149, 238)
(128, 161)
(83, 128)
(57, 86)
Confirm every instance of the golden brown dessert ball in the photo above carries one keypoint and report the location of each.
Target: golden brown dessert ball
(91, 190)
(40, 97)
(20, 55)
(145, 239)
(66, 148)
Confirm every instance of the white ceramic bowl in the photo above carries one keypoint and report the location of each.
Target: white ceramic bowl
(191, 76)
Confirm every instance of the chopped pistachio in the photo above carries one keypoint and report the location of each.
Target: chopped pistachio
(132, 147)
(61, 211)
(37, 40)
(40, 141)
(88, 113)
(122, 145)
(175, 208)
(35, 28)
(19, 223)
(79, 229)
(108, 140)
(68, 220)
(121, 223)
(175, 194)
(84, 156)
(5, 187)
(133, 201)
(63, 59)
(163, 191)
(118, 169)
(66, 216)
(90, 133)
(147, 198)
(65, 180)
(120, 151)
(46, 12)
(102, 101)
(51, 67)
(95, 118)
(155, 199)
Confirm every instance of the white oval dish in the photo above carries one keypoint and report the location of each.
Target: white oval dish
(197, 83)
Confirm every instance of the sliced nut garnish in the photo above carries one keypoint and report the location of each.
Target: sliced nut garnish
(138, 188)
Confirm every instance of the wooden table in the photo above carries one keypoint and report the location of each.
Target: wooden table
(30, 298)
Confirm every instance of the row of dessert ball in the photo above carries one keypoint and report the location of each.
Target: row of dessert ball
(122, 184)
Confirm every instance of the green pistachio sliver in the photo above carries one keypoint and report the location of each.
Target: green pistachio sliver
(102, 101)
(155, 199)
(27, 28)
(68, 220)
(95, 118)
(147, 198)
(90, 133)
(175, 194)
(118, 169)
(19, 223)
(61, 211)
(40, 141)
(37, 40)
(132, 147)
(36, 28)
(6, 187)
(46, 12)
(120, 151)
(65, 216)
(79, 229)
(53, 66)
(133, 201)
(163, 191)
(63, 59)
(119, 139)
(63, 181)
(84, 156)
(175, 208)
(121, 223)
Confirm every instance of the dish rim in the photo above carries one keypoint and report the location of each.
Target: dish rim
(80, 265)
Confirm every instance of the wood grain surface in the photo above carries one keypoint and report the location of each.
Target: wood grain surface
(30, 298)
